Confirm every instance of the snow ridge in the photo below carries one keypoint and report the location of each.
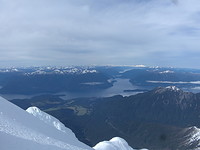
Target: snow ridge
(50, 120)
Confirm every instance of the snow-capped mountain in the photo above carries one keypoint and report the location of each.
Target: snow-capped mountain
(115, 143)
(60, 70)
(161, 90)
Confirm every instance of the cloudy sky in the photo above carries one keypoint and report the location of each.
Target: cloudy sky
(85, 32)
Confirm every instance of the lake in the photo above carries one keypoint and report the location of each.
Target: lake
(117, 89)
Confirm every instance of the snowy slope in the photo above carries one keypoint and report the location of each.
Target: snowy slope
(194, 134)
(50, 120)
(20, 130)
(115, 143)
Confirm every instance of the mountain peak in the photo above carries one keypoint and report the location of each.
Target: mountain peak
(160, 90)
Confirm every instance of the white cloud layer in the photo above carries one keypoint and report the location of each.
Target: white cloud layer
(76, 32)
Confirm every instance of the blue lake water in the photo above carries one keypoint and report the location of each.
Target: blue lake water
(117, 89)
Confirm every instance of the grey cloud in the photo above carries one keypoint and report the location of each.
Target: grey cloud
(87, 32)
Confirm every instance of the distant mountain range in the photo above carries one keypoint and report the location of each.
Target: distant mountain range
(51, 80)
(160, 119)
(37, 80)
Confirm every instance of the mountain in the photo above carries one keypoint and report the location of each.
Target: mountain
(34, 129)
(114, 144)
(166, 105)
(37, 80)
(158, 76)
(163, 118)
(52, 80)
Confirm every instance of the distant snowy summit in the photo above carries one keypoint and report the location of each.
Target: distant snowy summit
(49, 70)
(173, 88)
(168, 88)
(166, 71)
(74, 69)
(60, 70)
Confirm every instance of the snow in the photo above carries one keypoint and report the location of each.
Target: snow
(141, 66)
(88, 71)
(9, 70)
(60, 70)
(171, 82)
(194, 135)
(166, 71)
(115, 143)
(174, 88)
(167, 89)
(20, 130)
(50, 120)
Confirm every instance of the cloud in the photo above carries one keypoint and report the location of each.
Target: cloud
(175, 1)
(77, 32)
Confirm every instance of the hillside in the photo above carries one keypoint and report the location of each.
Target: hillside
(159, 119)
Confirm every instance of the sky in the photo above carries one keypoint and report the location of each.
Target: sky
(100, 32)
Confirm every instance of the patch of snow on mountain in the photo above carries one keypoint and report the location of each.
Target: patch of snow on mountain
(57, 71)
(195, 135)
(89, 71)
(167, 71)
(174, 88)
(140, 66)
(37, 72)
(115, 143)
(9, 70)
